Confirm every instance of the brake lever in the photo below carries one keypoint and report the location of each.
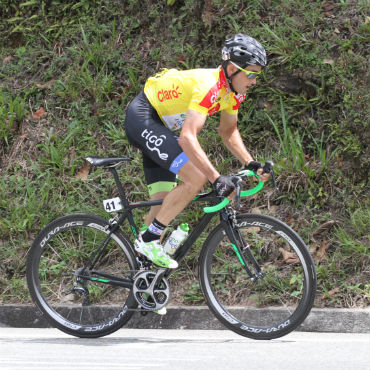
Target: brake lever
(268, 168)
(274, 181)
(237, 180)
(237, 196)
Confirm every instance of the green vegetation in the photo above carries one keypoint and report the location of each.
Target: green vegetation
(68, 71)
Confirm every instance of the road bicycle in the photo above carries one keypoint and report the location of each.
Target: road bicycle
(255, 272)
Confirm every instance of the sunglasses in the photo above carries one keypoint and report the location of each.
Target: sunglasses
(250, 74)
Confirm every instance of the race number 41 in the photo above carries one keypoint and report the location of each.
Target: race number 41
(112, 205)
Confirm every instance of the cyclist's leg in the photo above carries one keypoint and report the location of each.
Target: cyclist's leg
(177, 199)
(160, 182)
(162, 185)
(153, 212)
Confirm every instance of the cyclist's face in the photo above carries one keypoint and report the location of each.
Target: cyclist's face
(241, 82)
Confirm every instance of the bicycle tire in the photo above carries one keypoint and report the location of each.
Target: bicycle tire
(272, 306)
(87, 309)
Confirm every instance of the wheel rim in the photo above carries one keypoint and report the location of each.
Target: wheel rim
(269, 304)
(79, 303)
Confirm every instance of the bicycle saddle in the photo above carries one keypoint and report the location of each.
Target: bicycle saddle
(100, 161)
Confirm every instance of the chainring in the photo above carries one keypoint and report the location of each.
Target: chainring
(151, 290)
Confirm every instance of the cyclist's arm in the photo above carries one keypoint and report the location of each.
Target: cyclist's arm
(230, 135)
(189, 143)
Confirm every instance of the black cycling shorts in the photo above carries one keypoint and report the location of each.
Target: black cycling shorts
(162, 155)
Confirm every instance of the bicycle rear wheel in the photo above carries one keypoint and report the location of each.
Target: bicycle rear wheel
(78, 301)
(273, 305)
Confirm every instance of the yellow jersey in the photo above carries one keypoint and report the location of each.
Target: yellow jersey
(173, 92)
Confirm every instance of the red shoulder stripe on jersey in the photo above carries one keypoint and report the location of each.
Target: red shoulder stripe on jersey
(214, 110)
(222, 79)
(211, 97)
(213, 93)
(239, 99)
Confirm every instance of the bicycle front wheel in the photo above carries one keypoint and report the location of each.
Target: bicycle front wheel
(79, 296)
(276, 302)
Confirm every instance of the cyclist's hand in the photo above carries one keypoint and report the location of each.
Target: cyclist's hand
(263, 176)
(257, 168)
(224, 186)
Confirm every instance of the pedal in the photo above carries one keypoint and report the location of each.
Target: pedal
(143, 262)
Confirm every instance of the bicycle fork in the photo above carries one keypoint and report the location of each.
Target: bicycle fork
(241, 248)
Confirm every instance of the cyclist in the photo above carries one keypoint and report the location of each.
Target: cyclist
(180, 101)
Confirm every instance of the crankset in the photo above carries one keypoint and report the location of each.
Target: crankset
(151, 289)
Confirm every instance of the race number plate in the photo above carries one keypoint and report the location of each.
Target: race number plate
(112, 205)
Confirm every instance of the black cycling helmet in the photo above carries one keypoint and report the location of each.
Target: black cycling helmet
(244, 50)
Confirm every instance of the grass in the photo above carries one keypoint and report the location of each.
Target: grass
(11, 114)
(83, 62)
(291, 156)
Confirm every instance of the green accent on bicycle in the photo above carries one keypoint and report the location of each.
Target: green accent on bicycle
(217, 207)
(134, 231)
(238, 254)
(160, 186)
(245, 193)
(100, 280)
(256, 189)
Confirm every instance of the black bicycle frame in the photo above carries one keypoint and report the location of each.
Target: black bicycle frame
(181, 252)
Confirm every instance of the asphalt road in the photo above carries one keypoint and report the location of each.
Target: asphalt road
(136, 349)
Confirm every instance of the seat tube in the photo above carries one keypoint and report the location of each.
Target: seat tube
(119, 187)
(125, 202)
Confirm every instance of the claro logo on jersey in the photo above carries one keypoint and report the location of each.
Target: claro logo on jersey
(169, 94)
